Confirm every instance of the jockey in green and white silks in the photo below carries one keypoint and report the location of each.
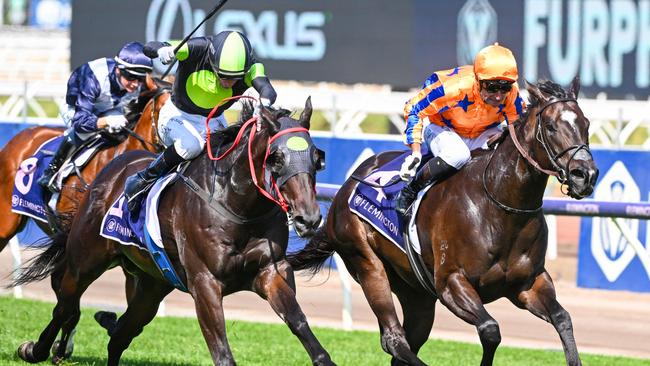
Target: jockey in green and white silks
(210, 69)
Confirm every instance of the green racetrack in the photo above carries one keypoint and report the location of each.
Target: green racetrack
(178, 341)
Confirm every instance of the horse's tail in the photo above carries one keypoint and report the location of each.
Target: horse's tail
(44, 264)
(313, 256)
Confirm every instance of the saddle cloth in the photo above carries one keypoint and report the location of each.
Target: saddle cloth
(28, 196)
(376, 206)
(142, 229)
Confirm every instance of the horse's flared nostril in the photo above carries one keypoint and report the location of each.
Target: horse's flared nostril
(307, 225)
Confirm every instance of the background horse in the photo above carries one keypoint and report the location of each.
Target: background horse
(25, 143)
(482, 233)
(221, 233)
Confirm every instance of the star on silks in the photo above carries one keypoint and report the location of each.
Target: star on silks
(381, 178)
(454, 72)
(464, 103)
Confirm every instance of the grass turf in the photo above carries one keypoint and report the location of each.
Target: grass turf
(178, 341)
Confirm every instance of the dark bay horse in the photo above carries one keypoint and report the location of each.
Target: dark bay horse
(482, 233)
(25, 143)
(222, 233)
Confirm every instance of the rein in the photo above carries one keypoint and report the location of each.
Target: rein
(281, 201)
(559, 172)
(156, 145)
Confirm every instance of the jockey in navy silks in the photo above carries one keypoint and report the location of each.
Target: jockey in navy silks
(210, 70)
(97, 93)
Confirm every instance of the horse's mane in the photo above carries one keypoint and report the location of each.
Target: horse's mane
(223, 138)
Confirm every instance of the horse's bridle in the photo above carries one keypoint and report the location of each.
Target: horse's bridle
(561, 173)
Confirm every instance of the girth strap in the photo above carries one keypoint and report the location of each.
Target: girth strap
(223, 210)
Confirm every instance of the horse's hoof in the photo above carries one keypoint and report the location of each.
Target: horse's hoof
(25, 352)
(106, 319)
(68, 352)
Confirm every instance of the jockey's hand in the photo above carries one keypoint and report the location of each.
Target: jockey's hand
(113, 124)
(264, 102)
(166, 55)
(410, 165)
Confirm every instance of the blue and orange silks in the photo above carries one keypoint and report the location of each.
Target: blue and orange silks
(451, 98)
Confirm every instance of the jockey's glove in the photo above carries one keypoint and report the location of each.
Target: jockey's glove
(410, 165)
(113, 124)
(166, 54)
(258, 110)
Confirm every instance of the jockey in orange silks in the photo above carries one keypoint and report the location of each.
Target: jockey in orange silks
(465, 107)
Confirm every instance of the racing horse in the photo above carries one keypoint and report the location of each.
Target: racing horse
(142, 135)
(482, 232)
(222, 230)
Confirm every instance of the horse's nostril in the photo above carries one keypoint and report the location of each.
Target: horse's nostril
(578, 174)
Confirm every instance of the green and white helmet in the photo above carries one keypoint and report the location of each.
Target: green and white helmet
(230, 55)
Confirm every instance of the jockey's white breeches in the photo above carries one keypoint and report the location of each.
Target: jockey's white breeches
(184, 130)
(451, 147)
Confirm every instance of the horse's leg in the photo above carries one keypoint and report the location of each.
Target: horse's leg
(208, 301)
(374, 282)
(64, 346)
(540, 300)
(10, 224)
(276, 284)
(462, 299)
(418, 309)
(65, 315)
(142, 308)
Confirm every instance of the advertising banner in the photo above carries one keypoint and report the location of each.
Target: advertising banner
(605, 258)
(604, 42)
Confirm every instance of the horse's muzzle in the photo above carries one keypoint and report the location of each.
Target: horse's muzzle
(582, 181)
(306, 225)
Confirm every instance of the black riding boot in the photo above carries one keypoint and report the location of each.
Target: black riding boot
(137, 183)
(64, 151)
(436, 169)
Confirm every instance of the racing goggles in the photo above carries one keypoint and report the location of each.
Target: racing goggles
(132, 76)
(493, 86)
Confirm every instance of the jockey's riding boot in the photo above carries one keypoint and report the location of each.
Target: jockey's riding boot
(137, 183)
(62, 153)
(435, 169)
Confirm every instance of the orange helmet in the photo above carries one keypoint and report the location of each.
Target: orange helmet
(495, 63)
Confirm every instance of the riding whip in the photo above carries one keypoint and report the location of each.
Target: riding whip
(210, 15)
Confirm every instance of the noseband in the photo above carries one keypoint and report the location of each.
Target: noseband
(560, 172)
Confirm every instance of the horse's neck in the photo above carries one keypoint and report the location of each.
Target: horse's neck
(524, 186)
(233, 175)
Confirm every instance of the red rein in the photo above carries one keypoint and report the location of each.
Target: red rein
(281, 201)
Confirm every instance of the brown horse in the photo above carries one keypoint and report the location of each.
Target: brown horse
(482, 233)
(221, 232)
(142, 136)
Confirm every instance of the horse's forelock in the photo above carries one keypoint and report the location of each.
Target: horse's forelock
(549, 88)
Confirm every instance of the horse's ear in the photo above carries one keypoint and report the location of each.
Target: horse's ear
(269, 119)
(535, 92)
(305, 116)
(575, 87)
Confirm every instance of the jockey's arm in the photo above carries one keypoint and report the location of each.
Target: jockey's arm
(84, 120)
(258, 80)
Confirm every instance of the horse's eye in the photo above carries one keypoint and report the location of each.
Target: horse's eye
(275, 161)
(319, 159)
(551, 127)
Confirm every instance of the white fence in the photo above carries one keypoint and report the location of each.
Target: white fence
(614, 123)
